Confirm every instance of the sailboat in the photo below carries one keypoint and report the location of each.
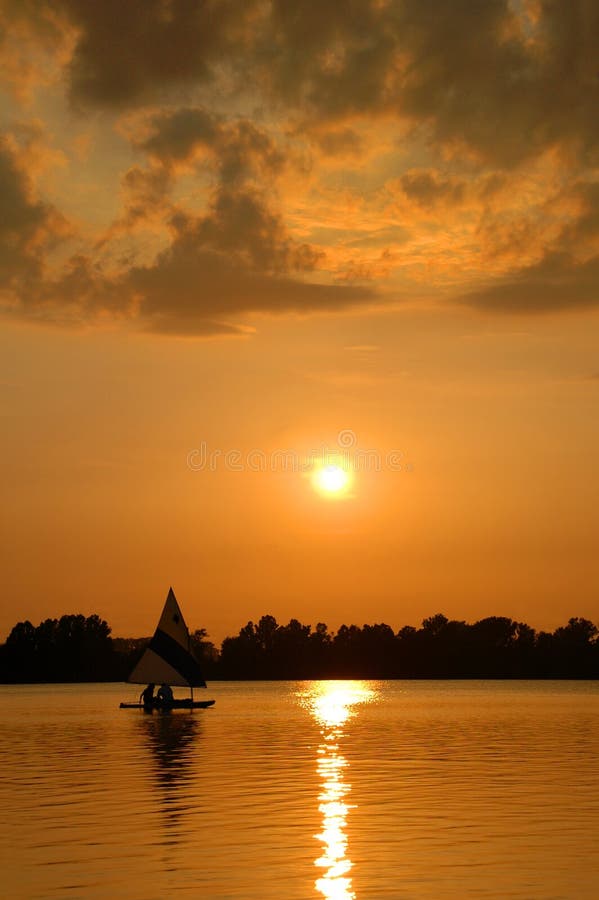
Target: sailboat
(168, 660)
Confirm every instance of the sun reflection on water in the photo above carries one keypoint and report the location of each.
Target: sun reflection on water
(331, 704)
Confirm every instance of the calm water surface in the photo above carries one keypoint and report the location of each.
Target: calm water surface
(304, 790)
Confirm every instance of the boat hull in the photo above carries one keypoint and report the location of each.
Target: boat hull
(175, 704)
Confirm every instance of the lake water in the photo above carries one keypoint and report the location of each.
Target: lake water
(288, 790)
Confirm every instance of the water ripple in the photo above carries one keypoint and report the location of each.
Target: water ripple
(339, 790)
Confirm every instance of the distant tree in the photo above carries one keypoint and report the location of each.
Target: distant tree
(407, 644)
(378, 651)
(205, 652)
(439, 646)
(20, 660)
(79, 648)
(434, 625)
(575, 650)
(128, 652)
(72, 648)
(265, 635)
(347, 652)
(291, 651)
(524, 650)
(319, 650)
(491, 645)
(239, 655)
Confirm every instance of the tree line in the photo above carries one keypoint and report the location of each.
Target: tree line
(76, 648)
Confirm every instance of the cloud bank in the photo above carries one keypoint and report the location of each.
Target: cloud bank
(293, 158)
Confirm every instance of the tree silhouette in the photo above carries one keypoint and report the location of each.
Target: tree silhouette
(72, 648)
(76, 648)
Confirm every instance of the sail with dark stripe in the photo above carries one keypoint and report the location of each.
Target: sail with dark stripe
(168, 658)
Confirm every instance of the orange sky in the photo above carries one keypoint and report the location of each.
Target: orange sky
(252, 227)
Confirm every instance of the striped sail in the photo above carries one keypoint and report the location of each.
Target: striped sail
(168, 658)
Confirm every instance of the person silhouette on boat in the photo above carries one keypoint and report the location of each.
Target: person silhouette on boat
(165, 695)
(147, 695)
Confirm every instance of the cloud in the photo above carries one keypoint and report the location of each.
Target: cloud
(235, 154)
(503, 80)
(557, 282)
(132, 52)
(235, 259)
(339, 142)
(188, 290)
(215, 270)
(32, 44)
(189, 134)
(27, 225)
(282, 155)
(146, 190)
(566, 276)
(585, 228)
(489, 77)
(429, 189)
(175, 135)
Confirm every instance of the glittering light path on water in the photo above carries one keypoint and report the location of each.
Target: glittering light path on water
(331, 704)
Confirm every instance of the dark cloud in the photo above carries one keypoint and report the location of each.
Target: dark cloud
(28, 231)
(177, 134)
(566, 276)
(20, 214)
(430, 189)
(237, 257)
(328, 59)
(586, 226)
(79, 294)
(41, 19)
(556, 283)
(503, 79)
(241, 222)
(146, 190)
(241, 160)
(339, 142)
(129, 52)
(211, 276)
(236, 260)
(237, 146)
(26, 225)
(482, 87)
(482, 73)
(191, 289)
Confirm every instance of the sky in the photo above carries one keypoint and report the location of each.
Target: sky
(241, 242)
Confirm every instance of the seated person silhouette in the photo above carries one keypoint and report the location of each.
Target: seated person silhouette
(165, 695)
(147, 695)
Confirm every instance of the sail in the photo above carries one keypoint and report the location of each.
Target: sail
(168, 658)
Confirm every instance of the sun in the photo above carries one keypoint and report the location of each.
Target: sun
(332, 479)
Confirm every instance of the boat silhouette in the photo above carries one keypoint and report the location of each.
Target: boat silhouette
(168, 659)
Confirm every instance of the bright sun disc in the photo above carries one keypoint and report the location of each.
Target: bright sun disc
(331, 479)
